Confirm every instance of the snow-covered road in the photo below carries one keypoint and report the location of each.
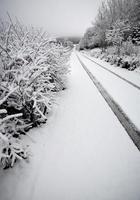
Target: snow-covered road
(125, 94)
(108, 83)
(82, 153)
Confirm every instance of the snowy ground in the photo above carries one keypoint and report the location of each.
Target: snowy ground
(133, 76)
(82, 153)
(124, 94)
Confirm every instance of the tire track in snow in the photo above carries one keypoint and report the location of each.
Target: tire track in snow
(122, 78)
(126, 122)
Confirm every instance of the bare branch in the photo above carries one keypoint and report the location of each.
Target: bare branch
(13, 26)
(8, 36)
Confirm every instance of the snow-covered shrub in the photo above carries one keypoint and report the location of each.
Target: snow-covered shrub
(111, 50)
(136, 33)
(33, 67)
(11, 148)
(129, 49)
(95, 52)
(130, 62)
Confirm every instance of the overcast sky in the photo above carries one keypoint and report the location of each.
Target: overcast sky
(58, 17)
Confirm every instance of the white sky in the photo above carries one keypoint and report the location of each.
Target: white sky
(58, 17)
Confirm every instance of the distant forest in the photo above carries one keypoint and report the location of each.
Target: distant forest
(74, 40)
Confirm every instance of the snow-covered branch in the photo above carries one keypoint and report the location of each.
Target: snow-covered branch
(5, 98)
(33, 69)
(10, 117)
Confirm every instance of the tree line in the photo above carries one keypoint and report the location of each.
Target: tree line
(117, 21)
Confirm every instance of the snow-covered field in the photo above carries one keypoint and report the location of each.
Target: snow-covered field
(82, 153)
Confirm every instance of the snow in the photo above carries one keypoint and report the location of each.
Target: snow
(82, 153)
(124, 94)
(133, 76)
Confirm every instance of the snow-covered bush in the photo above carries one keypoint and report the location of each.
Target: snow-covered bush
(136, 33)
(95, 52)
(128, 59)
(33, 67)
(129, 49)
